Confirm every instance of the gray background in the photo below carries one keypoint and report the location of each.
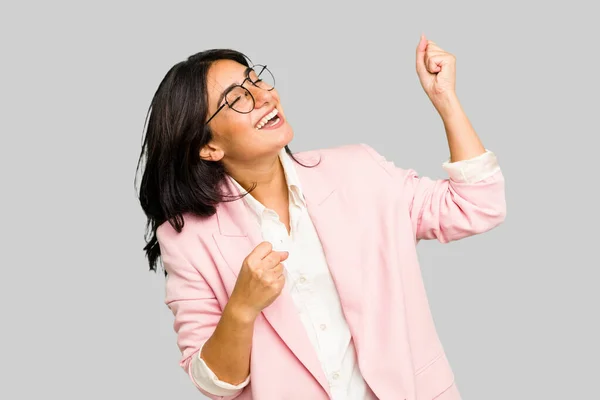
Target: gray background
(516, 308)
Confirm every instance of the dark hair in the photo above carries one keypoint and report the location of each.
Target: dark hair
(175, 179)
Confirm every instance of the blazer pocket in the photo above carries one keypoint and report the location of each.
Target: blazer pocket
(434, 378)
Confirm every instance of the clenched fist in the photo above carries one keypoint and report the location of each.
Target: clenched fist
(260, 280)
(436, 69)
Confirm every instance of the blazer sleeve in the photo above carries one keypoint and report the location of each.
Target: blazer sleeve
(471, 200)
(196, 314)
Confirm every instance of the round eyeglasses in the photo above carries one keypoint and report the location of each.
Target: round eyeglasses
(238, 98)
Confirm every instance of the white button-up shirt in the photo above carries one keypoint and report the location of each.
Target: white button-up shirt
(312, 287)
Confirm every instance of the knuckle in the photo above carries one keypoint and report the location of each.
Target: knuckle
(268, 281)
(251, 263)
(258, 274)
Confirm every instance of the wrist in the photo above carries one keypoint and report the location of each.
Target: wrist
(447, 105)
(240, 313)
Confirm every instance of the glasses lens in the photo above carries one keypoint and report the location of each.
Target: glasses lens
(240, 99)
(262, 77)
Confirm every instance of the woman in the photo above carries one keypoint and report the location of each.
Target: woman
(307, 287)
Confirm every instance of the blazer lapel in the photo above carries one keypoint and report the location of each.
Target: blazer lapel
(328, 207)
(238, 236)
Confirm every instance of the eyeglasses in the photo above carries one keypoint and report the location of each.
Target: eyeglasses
(238, 98)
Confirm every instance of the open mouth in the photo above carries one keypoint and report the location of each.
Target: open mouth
(270, 121)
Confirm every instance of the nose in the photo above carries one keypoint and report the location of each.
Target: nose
(261, 96)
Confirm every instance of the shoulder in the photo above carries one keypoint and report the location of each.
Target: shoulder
(356, 160)
(194, 228)
(341, 153)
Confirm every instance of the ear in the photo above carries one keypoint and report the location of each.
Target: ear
(211, 152)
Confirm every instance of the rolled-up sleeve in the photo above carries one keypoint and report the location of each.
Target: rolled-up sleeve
(473, 170)
(470, 201)
(209, 381)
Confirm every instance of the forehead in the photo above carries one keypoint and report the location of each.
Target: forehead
(223, 73)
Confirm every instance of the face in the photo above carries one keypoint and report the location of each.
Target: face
(238, 137)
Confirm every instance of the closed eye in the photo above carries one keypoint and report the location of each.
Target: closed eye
(235, 101)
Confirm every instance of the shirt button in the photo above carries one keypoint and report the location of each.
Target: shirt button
(323, 327)
(336, 376)
(302, 279)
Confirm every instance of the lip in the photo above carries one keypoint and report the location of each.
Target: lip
(267, 113)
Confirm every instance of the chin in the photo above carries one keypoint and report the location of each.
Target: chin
(276, 139)
(289, 136)
(284, 135)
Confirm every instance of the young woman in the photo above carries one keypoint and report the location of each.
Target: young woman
(308, 287)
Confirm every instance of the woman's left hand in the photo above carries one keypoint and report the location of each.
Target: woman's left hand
(437, 71)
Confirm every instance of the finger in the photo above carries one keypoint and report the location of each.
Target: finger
(278, 270)
(435, 63)
(421, 67)
(432, 45)
(284, 255)
(271, 260)
(432, 53)
(275, 259)
(260, 251)
(429, 53)
(280, 281)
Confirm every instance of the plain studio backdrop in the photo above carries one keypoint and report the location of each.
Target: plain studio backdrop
(516, 308)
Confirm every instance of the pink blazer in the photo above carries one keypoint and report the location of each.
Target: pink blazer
(369, 215)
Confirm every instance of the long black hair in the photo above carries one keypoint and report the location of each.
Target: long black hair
(175, 179)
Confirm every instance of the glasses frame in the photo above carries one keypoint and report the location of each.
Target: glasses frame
(248, 70)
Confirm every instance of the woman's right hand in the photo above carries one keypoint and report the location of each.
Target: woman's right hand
(259, 282)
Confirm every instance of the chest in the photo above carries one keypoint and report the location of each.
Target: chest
(306, 265)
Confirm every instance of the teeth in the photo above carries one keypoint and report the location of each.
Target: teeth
(266, 119)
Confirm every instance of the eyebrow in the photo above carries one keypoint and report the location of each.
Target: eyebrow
(228, 88)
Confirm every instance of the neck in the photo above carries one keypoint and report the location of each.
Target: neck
(269, 177)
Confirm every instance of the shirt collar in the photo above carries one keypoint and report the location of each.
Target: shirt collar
(292, 181)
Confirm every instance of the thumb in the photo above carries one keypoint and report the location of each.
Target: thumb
(421, 67)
